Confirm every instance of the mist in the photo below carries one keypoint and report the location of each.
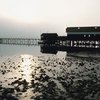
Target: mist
(30, 18)
(11, 29)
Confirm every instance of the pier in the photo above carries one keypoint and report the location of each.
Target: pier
(77, 39)
(20, 41)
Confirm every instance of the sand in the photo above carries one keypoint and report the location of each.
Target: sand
(27, 77)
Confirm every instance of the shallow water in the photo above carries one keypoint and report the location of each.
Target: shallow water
(27, 74)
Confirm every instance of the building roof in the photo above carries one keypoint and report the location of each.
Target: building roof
(83, 29)
(49, 34)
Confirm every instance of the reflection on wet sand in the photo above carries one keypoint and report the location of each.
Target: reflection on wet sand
(49, 77)
(27, 66)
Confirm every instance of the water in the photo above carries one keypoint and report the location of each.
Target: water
(27, 74)
(8, 50)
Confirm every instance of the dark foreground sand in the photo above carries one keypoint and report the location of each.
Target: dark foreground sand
(27, 77)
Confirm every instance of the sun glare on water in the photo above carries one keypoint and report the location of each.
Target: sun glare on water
(27, 66)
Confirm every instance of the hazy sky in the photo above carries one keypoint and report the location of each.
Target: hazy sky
(20, 18)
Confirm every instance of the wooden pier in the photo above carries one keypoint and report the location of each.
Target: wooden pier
(20, 41)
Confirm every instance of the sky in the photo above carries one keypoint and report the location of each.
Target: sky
(30, 18)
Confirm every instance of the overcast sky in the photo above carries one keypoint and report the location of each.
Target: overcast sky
(22, 18)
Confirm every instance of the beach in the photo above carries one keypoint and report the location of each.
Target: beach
(49, 77)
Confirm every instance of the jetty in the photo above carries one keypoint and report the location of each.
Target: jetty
(76, 39)
(20, 41)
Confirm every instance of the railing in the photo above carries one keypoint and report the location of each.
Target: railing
(20, 41)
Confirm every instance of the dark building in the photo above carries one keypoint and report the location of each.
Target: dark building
(77, 39)
(49, 38)
(83, 33)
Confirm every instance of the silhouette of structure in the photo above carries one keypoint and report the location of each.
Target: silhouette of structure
(77, 39)
(84, 36)
(50, 38)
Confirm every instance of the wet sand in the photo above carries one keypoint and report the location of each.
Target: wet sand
(26, 77)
